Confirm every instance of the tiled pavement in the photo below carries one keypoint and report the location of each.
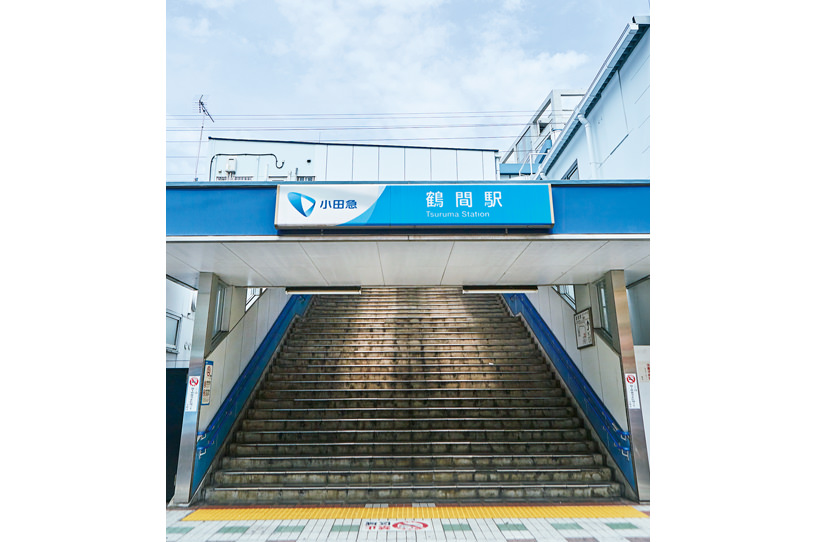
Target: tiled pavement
(475, 524)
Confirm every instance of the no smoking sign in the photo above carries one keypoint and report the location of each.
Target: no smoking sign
(632, 394)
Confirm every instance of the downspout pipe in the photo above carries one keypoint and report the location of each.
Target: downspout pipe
(593, 165)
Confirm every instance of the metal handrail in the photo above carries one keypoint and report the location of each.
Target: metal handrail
(615, 438)
(579, 380)
(209, 436)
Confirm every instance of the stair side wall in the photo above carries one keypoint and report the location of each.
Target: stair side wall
(232, 354)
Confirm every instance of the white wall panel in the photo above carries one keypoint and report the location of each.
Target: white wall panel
(417, 164)
(543, 262)
(366, 164)
(339, 163)
(481, 262)
(281, 264)
(590, 368)
(351, 264)
(262, 323)
(392, 164)
(443, 165)
(469, 166)
(616, 255)
(250, 330)
(414, 264)
(489, 166)
(232, 366)
(611, 382)
(608, 121)
(635, 82)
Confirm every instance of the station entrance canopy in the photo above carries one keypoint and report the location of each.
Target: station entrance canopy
(411, 234)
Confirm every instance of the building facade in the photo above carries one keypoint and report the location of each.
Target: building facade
(559, 223)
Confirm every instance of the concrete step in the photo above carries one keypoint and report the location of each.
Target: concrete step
(490, 461)
(407, 335)
(406, 376)
(436, 321)
(289, 357)
(455, 492)
(405, 384)
(398, 423)
(423, 352)
(425, 447)
(560, 408)
(501, 325)
(411, 398)
(250, 478)
(388, 344)
(402, 304)
(340, 365)
(409, 382)
(408, 434)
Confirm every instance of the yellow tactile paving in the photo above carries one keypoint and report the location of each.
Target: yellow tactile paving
(408, 512)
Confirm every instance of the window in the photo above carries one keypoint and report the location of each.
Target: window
(252, 296)
(567, 293)
(220, 308)
(603, 305)
(173, 323)
(572, 173)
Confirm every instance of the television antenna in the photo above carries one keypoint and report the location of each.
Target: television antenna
(202, 108)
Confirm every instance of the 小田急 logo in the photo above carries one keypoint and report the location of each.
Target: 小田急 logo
(302, 203)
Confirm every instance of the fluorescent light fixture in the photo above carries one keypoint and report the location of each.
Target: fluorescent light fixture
(499, 289)
(325, 290)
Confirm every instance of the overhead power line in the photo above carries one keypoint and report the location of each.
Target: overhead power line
(329, 128)
(441, 114)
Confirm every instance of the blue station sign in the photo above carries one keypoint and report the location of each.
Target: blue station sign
(420, 205)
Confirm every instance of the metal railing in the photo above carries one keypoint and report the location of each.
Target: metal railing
(616, 440)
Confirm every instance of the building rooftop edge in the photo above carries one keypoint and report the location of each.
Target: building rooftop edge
(349, 144)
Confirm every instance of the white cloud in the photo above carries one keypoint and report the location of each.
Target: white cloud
(397, 57)
(188, 28)
(214, 4)
(512, 5)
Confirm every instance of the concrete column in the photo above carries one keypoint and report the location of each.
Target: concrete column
(634, 413)
(202, 337)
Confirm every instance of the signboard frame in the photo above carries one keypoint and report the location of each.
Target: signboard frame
(385, 206)
(583, 319)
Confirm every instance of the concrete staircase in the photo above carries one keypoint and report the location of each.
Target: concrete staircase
(410, 395)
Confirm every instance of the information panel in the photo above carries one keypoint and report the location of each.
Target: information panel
(363, 205)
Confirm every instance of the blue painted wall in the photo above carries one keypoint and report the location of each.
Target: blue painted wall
(217, 209)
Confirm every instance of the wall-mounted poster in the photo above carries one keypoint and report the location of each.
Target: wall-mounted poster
(583, 329)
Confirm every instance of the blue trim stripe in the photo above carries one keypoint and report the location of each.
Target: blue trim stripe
(211, 439)
(614, 438)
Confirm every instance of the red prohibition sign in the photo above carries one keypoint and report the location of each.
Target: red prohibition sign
(194, 381)
(630, 379)
(410, 525)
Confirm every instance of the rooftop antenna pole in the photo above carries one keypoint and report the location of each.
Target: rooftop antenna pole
(202, 108)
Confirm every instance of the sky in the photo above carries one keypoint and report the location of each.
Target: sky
(446, 73)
